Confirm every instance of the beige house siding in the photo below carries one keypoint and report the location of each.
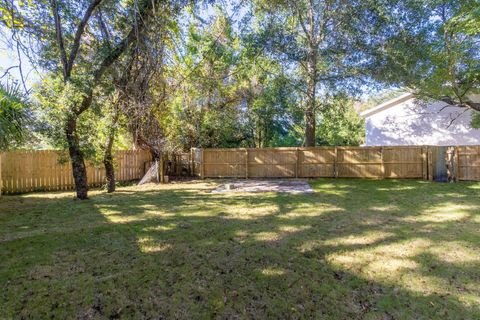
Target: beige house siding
(405, 121)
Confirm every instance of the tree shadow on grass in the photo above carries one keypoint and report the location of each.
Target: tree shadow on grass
(354, 249)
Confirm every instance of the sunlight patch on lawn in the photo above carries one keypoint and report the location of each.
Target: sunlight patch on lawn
(311, 211)
(408, 264)
(444, 213)
(365, 239)
(250, 212)
(361, 239)
(168, 227)
(151, 245)
(475, 186)
(267, 236)
(332, 192)
(449, 195)
(385, 208)
(335, 189)
(376, 259)
(455, 252)
(397, 188)
(53, 195)
(193, 186)
(115, 216)
(292, 229)
(241, 236)
(270, 271)
(148, 212)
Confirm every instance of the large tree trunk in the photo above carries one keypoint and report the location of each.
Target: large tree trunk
(145, 9)
(78, 163)
(108, 158)
(109, 170)
(310, 122)
(310, 125)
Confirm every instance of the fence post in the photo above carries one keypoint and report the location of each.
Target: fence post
(424, 163)
(246, 163)
(178, 164)
(455, 163)
(430, 164)
(162, 169)
(296, 163)
(382, 168)
(192, 163)
(202, 172)
(335, 168)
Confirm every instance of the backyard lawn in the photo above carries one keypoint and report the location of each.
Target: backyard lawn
(354, 249)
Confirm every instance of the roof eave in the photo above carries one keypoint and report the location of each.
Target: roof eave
(386, 105)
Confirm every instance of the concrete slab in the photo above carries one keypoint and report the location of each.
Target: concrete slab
(285, 186)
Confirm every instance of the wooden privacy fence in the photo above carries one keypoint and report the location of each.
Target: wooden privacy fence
(348, 162)
(25, 171)
(413, 162)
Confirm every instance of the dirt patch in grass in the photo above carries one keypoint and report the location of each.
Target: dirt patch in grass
(352, 249)
(292, 186)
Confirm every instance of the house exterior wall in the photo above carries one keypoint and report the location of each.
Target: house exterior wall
(411, 123)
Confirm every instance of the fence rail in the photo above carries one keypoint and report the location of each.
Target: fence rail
(26, 171)
(402, 162)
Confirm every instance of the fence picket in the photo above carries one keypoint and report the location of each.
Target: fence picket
(26, 171)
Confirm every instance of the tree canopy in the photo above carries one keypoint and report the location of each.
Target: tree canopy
(436, 52)
(15, 116)
(172, 75)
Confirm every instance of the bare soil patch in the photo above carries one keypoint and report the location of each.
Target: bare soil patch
(284, 186)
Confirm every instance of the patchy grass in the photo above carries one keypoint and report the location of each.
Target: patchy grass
(353, 249)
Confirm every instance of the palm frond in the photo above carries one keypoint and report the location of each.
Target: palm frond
(14, 116)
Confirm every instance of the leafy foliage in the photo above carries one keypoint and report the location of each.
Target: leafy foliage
(433, 51)
(15, 117)
(53, 98)
(340, 124)
(325, 45)
(224, 91)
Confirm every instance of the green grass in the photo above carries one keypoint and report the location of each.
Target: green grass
(352, 250)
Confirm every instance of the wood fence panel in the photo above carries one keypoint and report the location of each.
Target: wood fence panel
(468, 158)
(316, 162)
(224, 163)
(403, 162)
(347, 162)
(26, 171)
(272, 163)
(359, 162)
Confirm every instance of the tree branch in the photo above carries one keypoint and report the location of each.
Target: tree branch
(462, 104)
(59, 36)
(114, 54)
(301, 20)
(78, 36)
